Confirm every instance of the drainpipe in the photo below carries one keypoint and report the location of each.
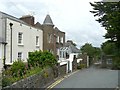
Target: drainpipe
(11, 24)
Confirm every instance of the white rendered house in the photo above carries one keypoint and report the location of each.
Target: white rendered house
(67, 54)
(18, 39)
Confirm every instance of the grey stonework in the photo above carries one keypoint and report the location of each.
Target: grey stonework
(74, 63)
(84, 57)
(39, 80)
(62, 70)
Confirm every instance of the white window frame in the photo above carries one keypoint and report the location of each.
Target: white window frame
(58, 39)
(20, 38)
(20, 55)
(61, 40)
(49, 38)
(37, 40)
(58, 51)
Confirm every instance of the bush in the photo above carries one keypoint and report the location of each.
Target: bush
(5, 82)
(80, 66)
(34, 58)
(18, 68)
(116, 63)
(49, 59)
(42, 59)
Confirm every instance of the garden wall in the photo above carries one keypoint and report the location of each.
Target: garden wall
(74, 63)
(62, 70)
(40, 80)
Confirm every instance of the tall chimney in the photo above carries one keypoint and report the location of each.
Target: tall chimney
(28, 19)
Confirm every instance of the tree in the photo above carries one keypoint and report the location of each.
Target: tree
(109, 48)
(109, 16)
(97, 53)
(88, 48)
(92, 52)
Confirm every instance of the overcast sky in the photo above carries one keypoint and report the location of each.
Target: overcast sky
(71, 16)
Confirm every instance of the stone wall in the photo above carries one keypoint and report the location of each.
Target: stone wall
(35, 81)
(74, 63)
(84, 57)
(40, 80)
(62, 70)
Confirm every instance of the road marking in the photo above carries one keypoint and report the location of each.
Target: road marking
(60, 80)
(54, 84)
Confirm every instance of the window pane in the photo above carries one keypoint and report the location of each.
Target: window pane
(20, 36)
(37, 40)
(19, 55)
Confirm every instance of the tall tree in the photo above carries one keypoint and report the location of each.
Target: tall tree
(109, 48)
(92, 52)
(109, 16)
(89, 49)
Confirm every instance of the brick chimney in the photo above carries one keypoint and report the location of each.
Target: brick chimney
(28, 19)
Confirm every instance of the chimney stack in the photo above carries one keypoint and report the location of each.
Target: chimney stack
(28, 19)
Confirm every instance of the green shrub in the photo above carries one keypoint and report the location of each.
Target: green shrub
(80, 66)
(49, 59)
(42, 59)
(6, 82)
(18, 68)
(116, 63)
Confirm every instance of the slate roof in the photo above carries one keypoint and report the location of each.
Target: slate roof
(48, 20)
(72, 48)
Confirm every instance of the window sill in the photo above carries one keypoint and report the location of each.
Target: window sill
(37, 46)
(20, 44)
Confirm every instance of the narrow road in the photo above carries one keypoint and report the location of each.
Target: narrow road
(91, 78)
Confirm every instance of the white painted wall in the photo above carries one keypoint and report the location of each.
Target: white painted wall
(29, 40)
(79, 60)
(1, 57)
(0, 52)
(70, 60)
